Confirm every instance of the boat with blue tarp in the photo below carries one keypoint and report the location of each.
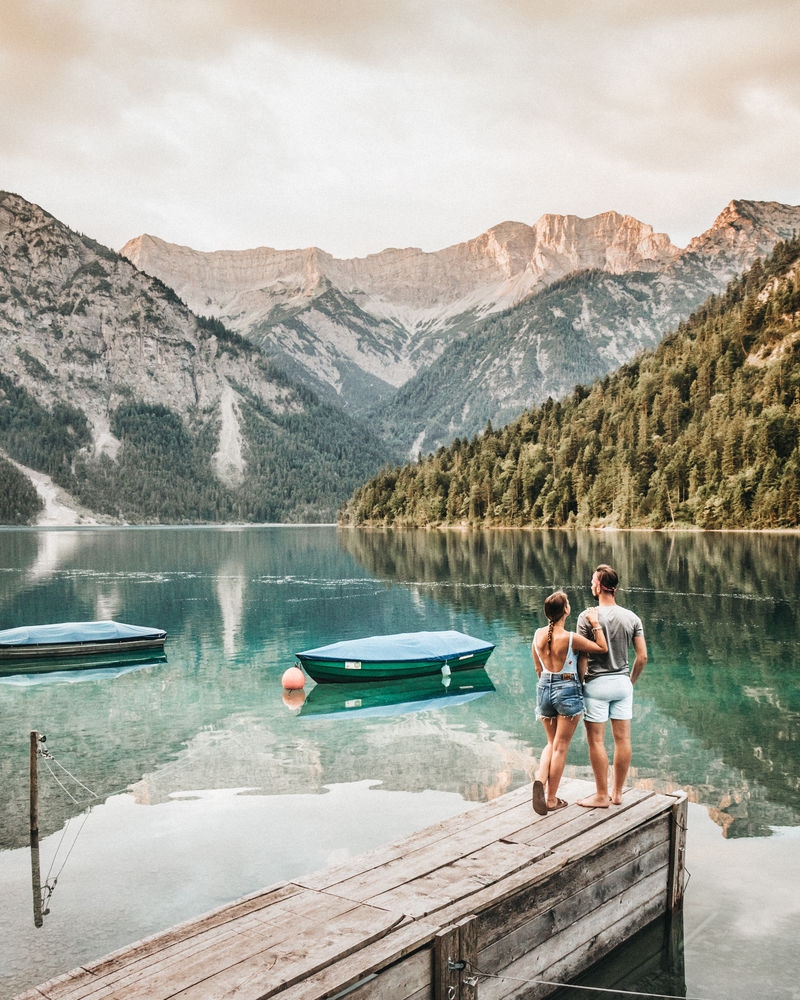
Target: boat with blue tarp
(394, 657)
(68, 639)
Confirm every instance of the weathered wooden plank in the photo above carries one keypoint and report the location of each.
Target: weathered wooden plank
(445, 959)
(459, 880)
(413, 939)
(253, 930)
(513, 900)
(680, 814)
(328, 877)
(554, 917)
(575, 820)
(93, 987)
(409, 978)
(468, 930)
(159, 972)
(516, 981)
(262, 972)
(243, 956)
(596, 838)
(82, 982)
(454, 954)
(424, 860)
(521, 908)
(45, 989)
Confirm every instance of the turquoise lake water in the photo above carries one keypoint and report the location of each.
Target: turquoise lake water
(206, 781)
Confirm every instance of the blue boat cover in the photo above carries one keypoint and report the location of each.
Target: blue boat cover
(404, 646)
(65, 632)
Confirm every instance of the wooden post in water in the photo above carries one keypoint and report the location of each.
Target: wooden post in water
(677, 874)
(36, 875)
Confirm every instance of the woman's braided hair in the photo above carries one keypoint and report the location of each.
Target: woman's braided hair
(554, 608)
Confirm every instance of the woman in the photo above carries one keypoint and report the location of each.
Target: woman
(559, 701)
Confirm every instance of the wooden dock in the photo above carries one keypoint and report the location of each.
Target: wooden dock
(479, 905)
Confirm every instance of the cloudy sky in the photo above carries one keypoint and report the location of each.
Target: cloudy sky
(355, 125)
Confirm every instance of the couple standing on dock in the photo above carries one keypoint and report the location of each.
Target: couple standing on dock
(586, 671)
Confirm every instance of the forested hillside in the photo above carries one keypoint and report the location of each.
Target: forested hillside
(701, 431)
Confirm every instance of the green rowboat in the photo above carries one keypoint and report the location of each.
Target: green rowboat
(394, 657)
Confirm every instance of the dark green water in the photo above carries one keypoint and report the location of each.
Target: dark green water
(205, 784)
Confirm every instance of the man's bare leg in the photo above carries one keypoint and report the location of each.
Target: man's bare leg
(595, 737)
(621, 730)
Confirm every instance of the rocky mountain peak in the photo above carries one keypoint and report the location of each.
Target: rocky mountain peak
(747, 229)
(609, 241)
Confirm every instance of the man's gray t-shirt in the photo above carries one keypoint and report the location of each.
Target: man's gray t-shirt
(621, 626)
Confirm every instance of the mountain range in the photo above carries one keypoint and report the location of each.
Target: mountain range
(165, 384)
(113, 391)
(429, 346)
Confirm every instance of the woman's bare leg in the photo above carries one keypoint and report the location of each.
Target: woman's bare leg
(564, 729)
(538, 793)
(543, 769)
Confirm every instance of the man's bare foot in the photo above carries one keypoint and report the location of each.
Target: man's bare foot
(616, 798)
(595, 802)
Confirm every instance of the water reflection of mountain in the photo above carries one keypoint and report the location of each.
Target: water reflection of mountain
(722, 626)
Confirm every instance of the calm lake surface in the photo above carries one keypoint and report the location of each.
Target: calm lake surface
(205, 783)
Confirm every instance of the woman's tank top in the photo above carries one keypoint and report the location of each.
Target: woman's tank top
(570, 665)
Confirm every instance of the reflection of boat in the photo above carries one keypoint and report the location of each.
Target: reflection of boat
(396, 697)
(76, 639)
(391, 657)
(90, 668)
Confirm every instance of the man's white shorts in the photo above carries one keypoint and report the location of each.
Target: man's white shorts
(608, 696)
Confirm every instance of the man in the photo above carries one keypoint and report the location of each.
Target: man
(608, 686)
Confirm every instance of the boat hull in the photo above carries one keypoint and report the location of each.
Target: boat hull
(76, 639)
(58, 650)
(333, 671)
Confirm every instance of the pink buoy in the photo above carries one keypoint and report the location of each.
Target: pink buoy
(293, 679)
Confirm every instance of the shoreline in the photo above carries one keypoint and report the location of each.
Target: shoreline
(464, 528)
(50, 525)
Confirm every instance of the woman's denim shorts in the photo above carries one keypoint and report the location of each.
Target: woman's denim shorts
(557, 695)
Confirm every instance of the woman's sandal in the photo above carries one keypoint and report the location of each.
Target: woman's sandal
(560, 804)
(538, 798)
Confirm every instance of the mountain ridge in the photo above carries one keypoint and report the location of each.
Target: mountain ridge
(400, 313)
(502, 252)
